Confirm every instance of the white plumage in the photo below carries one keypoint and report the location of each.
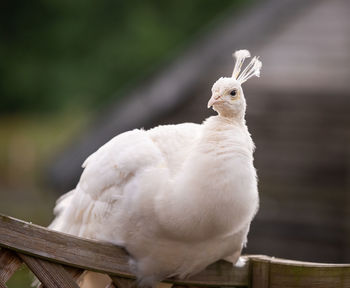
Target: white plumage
(177, 197)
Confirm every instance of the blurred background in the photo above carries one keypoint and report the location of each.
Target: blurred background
(73, 74)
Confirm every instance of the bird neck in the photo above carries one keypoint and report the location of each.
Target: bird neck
(232, 116)
(223, 122)
(222, 138)
(221, 131)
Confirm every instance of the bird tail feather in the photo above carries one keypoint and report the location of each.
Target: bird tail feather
(62, 204)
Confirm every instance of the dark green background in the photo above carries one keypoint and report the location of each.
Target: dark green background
(57, 54)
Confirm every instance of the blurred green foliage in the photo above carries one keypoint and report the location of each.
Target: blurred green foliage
(59, 53)
(21, 279)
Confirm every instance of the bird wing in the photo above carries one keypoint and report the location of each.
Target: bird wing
(114, 169)
(175, 142)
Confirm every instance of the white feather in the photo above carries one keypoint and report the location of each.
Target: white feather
(240, 56)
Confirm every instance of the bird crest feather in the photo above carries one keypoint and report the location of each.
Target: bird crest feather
(252, 69)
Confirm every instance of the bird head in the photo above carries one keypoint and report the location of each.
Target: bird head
(227, 94)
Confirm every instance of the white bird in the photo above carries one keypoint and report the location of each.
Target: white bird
(176, 197)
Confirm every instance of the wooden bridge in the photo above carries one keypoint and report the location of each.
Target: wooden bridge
(58, 260)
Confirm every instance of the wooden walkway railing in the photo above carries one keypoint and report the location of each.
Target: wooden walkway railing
(58, 259)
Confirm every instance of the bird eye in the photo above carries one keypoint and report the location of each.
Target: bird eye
(233, 92)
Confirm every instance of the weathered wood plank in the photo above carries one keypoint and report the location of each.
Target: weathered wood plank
(51, 275)
(279, 273)
(221, 273)
(74, 272)
(81, 253)
(286, 274)
(9, 263)
(97, 256)
(260, 272)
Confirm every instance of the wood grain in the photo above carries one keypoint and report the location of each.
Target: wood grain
(260, 272)
(63, 248)
(286, 274)
(280, 273)
(51, 275)
(221, 273)
(9, 263)
(74, 272)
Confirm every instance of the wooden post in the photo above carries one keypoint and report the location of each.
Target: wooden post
(259, 271)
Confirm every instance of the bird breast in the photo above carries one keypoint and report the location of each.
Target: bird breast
(216, 191)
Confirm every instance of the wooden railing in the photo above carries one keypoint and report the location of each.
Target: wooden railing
(58, 259)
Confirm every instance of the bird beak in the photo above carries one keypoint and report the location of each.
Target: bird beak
(214, 98)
